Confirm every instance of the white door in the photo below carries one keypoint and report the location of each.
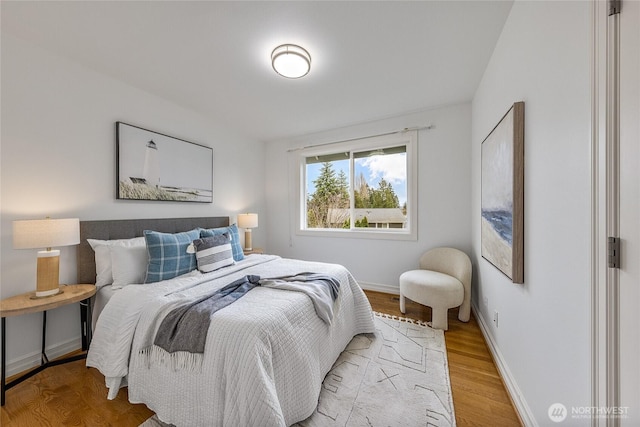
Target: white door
(629, 213)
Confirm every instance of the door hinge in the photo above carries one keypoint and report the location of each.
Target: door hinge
(613, 252)
(614, 7)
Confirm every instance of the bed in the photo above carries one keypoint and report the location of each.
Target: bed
(265, 355)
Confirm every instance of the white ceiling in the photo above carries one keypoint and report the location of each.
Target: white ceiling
(370, 60)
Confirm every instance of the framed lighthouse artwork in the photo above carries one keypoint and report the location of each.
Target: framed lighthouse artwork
(154, 166)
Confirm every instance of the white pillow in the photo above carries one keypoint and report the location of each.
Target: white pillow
(129, 265)
(104, 275)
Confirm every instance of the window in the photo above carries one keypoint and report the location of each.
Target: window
(360, 188)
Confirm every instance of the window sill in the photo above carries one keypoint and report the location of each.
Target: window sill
(352, 234)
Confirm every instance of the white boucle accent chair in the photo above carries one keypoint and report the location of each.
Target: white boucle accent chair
(443, 282)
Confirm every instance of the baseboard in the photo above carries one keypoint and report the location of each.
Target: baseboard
(523, 410)
(31, 360)
(380, 287)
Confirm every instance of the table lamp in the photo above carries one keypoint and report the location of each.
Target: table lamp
(46, 233)
(247, 221)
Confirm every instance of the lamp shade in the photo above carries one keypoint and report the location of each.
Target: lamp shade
(248, 220)
(291, 61)
(45, 233)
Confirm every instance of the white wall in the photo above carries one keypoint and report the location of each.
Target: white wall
(543, 59)
(443, 202)
(58, 159)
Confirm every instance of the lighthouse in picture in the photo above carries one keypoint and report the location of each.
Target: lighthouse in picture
(151, 171)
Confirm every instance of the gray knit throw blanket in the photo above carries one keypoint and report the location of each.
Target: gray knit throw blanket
(185, 327)
(182, 334)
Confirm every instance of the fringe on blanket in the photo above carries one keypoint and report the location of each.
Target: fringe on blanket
(178, 361)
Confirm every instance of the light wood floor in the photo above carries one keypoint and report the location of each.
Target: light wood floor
(72, 395)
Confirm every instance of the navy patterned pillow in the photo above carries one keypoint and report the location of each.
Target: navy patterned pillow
(168, 257)
(213, 253)
(232, 230)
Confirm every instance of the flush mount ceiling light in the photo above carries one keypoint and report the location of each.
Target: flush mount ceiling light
(291, 61)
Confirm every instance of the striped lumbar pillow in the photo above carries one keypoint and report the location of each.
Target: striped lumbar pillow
(213, 252)
(232, 230)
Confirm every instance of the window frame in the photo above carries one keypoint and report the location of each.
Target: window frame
(407, 138)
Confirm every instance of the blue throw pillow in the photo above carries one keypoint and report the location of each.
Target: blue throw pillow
(168, 257)
(238, 254)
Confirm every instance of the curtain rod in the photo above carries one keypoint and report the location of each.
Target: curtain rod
(360, 137)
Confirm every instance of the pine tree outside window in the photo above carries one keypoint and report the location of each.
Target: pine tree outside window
(360, 188)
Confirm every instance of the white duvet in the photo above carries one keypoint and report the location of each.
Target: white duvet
(265, 357)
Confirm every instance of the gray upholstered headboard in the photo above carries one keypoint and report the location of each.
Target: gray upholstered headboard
(129, 228)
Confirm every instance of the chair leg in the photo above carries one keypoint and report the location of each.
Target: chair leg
(439, 318)
(402, 304)
(464, 312)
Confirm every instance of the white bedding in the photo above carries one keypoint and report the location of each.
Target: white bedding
(265, 357)
(103, 295)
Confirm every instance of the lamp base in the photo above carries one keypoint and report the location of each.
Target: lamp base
(247, 240)
(34, 296)
(48, 273)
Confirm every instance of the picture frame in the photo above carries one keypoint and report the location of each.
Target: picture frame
(502, 195)
(158, 167)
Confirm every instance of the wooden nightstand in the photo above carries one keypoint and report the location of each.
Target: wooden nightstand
(29, 303)
(253, 251)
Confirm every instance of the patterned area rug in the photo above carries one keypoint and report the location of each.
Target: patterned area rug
(398, 376)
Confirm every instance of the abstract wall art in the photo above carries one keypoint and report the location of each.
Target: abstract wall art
(502, 197)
